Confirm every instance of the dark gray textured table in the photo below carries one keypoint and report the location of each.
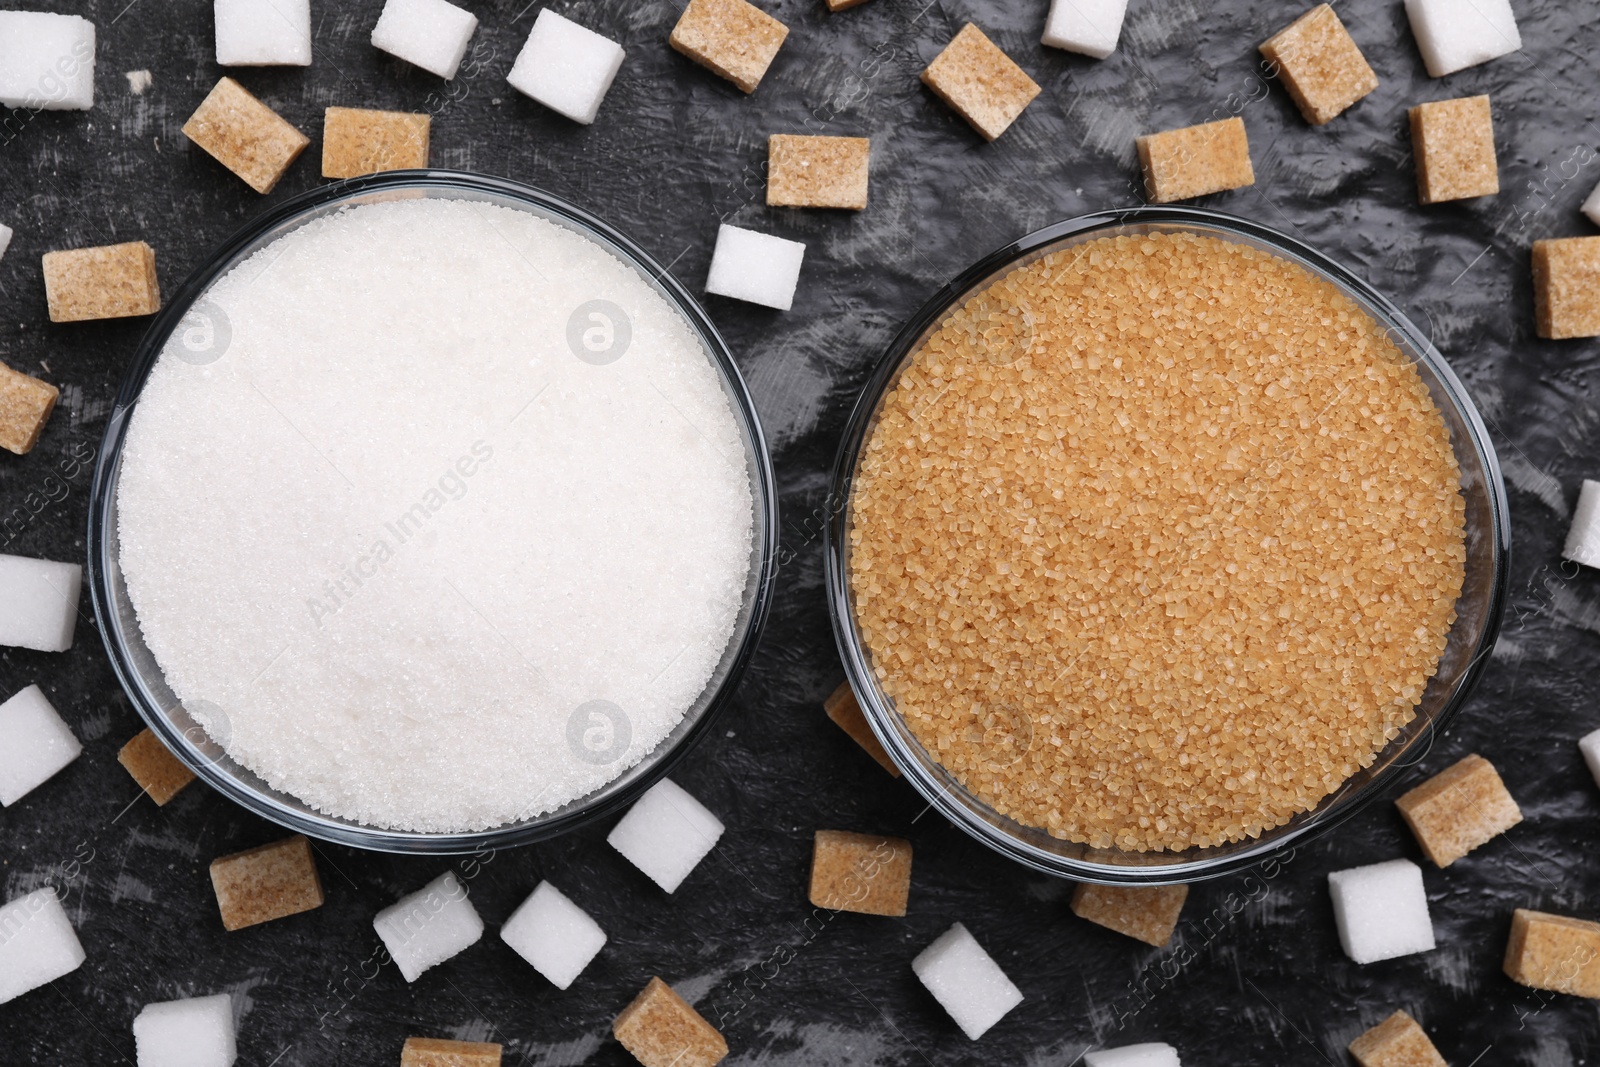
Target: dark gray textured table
(1256, 977)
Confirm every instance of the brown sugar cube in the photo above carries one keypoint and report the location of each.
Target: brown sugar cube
(863, 873)
(1196, 161)
(266, 883)
(1453, 141)
(437, 1052)
(1396, 1042)
(729, 37)
(1320, 65)
(1147, 913)
(842, 5)
(1566, 287)
(662, 1030)
(245, 135)
(1555, 953)
(980, 82)
(357, 142)
(1459, 809)
(158, 772)
(109, 282)
(25, 406)
(843, 709)
(805, 171)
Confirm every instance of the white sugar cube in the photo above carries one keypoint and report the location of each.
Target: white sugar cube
(1381, 910)
(553, 934)
(755, 267)
(566, 67)
(666, 834)
(1087, 26)
(38, 603)
(1456, 34)
(46, 61)
(1591, 206)
(37, 943)
(34, 744)
(1150, 1054)
(965, 981)
(429, 926)
(263, 33)
(1583, 539)
(6, 233)
(431, 34)
(1590, 747)
(197, 1032)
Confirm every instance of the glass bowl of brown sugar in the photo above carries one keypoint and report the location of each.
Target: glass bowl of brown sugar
(1164, 543)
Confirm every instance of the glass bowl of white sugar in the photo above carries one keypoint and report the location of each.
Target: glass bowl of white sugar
(432, 515)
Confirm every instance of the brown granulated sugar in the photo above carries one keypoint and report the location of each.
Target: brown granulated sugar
(1174, 567)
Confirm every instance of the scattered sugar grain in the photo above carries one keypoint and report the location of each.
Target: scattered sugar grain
(263, 33)
(666, 834)
(38, 603)
(46, 61)
(438, 633)
(1453, 35)
(566, 67)
(554, 935)
(428, 927)
(37, 943)
(431, 34)
(197, 1032)
(966, 981)
(1381, 911)
(1256, 531)
(1148, 1054)
(38, 744)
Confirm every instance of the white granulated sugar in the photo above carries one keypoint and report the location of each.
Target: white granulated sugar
(391, 540)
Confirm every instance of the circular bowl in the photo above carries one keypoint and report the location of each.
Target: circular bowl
(141, 675)
(1488, 539)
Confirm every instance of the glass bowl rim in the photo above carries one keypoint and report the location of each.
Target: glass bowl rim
(584, 811)
(1276, 844)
